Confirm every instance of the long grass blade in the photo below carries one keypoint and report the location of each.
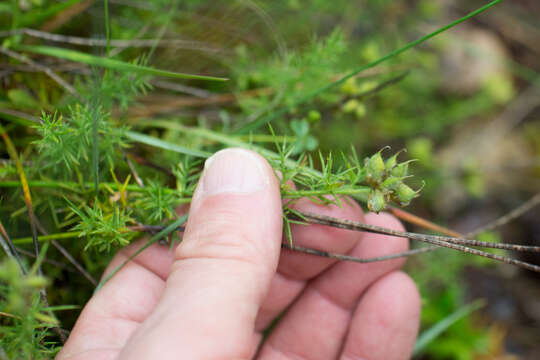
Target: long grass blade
(80, 57)
(430, 334)
(162, 144)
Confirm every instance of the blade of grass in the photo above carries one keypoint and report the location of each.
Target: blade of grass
(162, 144)
(219, 138)
(264, 120)
(80, 57)
(432, 333)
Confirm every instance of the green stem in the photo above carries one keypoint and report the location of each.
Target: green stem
(73, 186)
(87, 186)
(222, 139)
(49, 237)
(343, 191)
(263, 138)
(135, 188)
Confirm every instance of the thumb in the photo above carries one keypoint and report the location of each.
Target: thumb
(222, 268)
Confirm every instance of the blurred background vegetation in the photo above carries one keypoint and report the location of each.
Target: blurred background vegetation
(464, 104)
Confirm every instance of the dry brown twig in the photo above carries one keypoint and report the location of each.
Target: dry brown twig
(444, 241)
(455, 243)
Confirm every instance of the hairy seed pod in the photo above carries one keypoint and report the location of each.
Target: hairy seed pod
(391, 183)
(391, 162)
(405, 194)
(376, 201)
(400, 170)
(375, 168)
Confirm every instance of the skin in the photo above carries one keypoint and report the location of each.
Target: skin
(214, 295)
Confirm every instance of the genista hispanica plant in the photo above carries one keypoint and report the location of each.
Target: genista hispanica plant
(90, 165)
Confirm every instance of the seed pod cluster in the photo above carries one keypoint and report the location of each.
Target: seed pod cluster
(386, 180)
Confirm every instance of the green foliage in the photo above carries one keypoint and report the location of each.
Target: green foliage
(116, 88)
(66, 144)
(108, 63)
(304, 141)
(77, 151)
(103, 230)
(25, 322)
(442, 325)
(156, 203)
(462, 340)
(292, 75)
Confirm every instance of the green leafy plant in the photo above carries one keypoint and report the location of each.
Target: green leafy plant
(102, 172)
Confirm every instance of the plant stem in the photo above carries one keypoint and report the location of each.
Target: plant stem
(341, 191)
(50, 237)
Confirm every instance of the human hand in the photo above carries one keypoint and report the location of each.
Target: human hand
(213, 296)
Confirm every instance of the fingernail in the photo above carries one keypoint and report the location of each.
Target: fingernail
(234, 171)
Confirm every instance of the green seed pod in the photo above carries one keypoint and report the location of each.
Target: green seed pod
(400, 170)
(376, 201)
(391, 162)
(375, 167)
(391, 183)
(405, 194)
